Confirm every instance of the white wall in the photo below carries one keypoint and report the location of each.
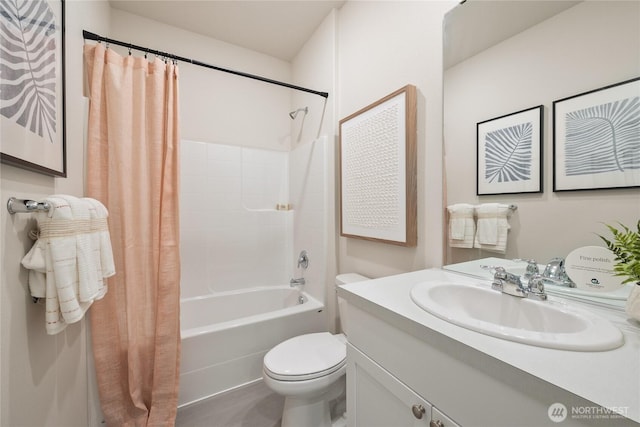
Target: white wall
(44, 378)
(315, 67)
(591, 45)
(383, 46)
(216, 106)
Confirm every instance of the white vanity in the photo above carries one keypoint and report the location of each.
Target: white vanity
(407, 367)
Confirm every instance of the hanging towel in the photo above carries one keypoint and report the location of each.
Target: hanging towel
(65, 263)
(100, 231)
(462, 227)
(493, 227)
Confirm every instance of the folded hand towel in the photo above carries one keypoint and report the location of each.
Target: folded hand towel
(66, 262)
(493, 227)
(36, 263)
(461, 225)
(487, 223)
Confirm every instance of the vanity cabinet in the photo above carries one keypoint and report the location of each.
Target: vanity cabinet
(396, 366)
(375, 398)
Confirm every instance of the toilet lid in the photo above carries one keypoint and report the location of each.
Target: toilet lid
(306, 357)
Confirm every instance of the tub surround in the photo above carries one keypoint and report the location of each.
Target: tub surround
(226, 335)
(478, 363)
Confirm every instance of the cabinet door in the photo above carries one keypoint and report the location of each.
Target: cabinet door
(375, 398)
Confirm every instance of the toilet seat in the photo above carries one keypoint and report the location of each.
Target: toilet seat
(305, 357)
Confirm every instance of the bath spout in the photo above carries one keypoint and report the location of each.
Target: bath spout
(296, 282)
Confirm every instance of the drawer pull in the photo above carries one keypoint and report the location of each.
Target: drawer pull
(436, 423)
(418, 411)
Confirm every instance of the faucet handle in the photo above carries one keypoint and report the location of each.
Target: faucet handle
(535, 287)
(303, 260)
(492, 268)
(532, 267)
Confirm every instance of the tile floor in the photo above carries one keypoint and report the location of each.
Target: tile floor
(253, 405)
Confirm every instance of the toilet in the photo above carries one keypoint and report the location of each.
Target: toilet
(309, 371)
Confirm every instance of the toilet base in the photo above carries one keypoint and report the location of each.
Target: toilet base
(313, 411)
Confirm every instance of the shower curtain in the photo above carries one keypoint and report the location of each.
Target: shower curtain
(132, 167)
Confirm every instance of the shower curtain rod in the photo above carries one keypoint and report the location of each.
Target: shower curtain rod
(92, 36)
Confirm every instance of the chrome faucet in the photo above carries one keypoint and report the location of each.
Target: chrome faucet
(555, 274)
(296, 282)
(511, 284)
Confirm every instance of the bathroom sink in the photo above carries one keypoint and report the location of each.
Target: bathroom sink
(541, 323)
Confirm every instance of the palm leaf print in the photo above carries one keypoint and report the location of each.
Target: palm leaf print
(603, 138)
(508, 153)
(28, 65)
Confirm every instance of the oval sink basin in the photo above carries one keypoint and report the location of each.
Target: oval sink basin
(540, 323)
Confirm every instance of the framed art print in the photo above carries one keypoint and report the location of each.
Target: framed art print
(596, 139)
(378, 170)
(509, 153)
(32, 104)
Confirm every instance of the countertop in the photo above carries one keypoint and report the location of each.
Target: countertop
(610, 378)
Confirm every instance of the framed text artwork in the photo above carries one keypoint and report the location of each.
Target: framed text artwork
(378, 183)
(32, 104)
(596, 138)
(509, 153)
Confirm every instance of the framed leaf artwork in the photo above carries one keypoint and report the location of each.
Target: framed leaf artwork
(596, 139)
(32, 104)
(509, 153)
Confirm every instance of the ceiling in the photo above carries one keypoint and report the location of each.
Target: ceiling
(275, 28)
(476, 25)
(279, 28)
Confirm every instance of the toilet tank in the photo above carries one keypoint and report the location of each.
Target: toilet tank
(344, 279)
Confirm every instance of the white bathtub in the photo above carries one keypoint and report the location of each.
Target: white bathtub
(226, 335)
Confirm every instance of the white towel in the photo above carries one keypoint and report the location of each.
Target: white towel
(462, 227)
(102, 228)
(65, 263)
(493, 227)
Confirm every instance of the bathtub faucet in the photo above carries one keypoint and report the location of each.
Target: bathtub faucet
(296, 282)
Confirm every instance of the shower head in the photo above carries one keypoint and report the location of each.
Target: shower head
(293, 114)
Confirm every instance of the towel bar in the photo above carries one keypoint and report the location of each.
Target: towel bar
(24, 206)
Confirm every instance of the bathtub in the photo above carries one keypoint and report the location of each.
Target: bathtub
(226, 335)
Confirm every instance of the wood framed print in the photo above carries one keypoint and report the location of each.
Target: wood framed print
(596, 139)
(32, 104)
(378, 183)
(509, 153)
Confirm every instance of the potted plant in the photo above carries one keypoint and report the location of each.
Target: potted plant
(625, 245)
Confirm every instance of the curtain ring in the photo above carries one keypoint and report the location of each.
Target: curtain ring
(129, 50)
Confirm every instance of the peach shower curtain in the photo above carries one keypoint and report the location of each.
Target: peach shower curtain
(132, 167)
